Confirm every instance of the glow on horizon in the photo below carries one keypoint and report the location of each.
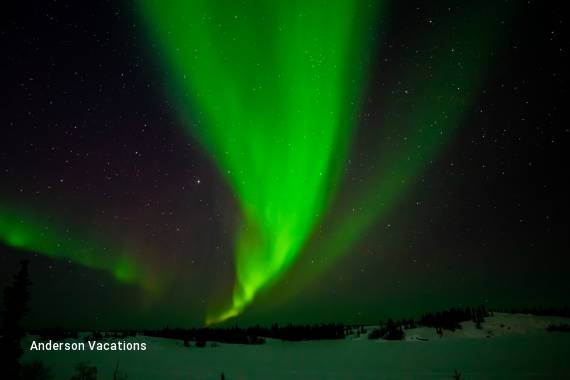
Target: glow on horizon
(30, 232)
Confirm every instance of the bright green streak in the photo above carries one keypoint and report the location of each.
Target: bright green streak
(442, 90)
(274, 87)
(28, 232)
(443, 84)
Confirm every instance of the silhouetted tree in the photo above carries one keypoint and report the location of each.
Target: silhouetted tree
(118, 374)
(252, 335)
(95, 335)
(55, 334)
(35, 371)
(84, 371)
(390, 331)
(200, 343)
(15, 307)
(451, 319)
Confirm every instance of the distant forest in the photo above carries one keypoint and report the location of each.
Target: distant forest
(389, 329)
(16, 297)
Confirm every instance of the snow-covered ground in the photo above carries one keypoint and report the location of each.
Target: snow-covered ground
(509, 346)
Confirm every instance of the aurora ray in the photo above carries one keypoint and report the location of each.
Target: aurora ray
(271, 89)
(445, 80)
(31, 232)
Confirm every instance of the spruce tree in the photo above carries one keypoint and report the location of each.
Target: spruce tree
(15, 307)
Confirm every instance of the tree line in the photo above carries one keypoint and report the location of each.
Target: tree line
(251, 335)
(449, 319)
(15, 307)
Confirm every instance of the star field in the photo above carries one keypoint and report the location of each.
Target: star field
(452, 189)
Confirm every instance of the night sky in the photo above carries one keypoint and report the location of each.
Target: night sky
(143, 194)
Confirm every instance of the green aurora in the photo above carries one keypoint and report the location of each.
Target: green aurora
(33, 233)
(274, 87)
(271, 91)
(444, 82)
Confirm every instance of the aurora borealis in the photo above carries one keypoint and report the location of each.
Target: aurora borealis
(23, 232)
(277, 84)
(254, 161)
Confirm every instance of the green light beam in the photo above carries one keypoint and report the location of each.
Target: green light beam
(443, 85)
(271, 88)
(29, 232)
